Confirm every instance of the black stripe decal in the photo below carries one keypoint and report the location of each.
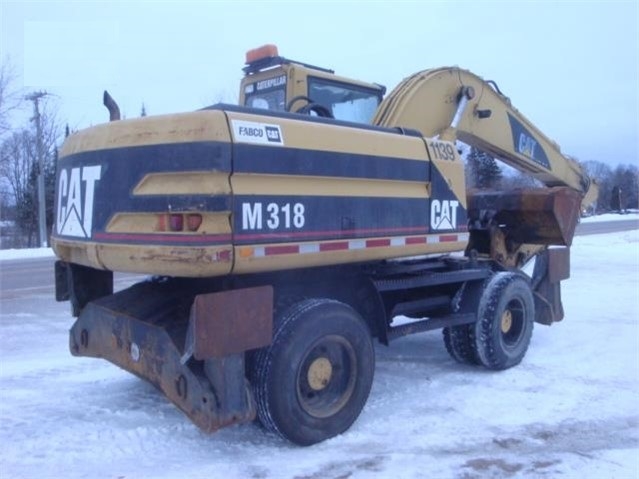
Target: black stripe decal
(170, 157)
(293, 161)
(123, 168)
(525, 143)
(269, 219)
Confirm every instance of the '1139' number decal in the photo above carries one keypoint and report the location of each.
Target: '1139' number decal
(442, 151)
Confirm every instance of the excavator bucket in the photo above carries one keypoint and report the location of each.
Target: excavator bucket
(542, 216)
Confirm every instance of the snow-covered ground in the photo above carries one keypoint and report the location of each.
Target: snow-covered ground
(571, 409)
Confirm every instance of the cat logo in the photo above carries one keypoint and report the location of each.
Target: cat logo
(527, 145)
(75, 210)
(443, 214)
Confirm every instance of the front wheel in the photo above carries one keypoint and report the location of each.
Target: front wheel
(312, 382)
(505, 321)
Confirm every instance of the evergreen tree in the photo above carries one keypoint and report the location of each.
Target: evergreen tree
(626, 178)
(27, 209)
(482, 170)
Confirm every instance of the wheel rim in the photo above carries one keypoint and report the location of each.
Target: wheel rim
(512, 323)
(326, 377)
(506, 321)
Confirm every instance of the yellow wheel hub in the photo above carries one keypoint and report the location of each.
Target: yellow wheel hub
(319, 373)
(506, 321)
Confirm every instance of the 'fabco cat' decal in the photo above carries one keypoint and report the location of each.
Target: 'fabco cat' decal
(253, 132)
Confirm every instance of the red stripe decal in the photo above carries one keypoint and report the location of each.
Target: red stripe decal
(377, 243)
(283, 249)
(303, 234)
(447, 238)
(416, 240)
(341, 245)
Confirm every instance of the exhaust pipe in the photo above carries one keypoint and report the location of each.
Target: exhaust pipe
(112, 106)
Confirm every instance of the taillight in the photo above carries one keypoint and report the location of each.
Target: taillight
(176, 222)
(193, 221)
(190, 222)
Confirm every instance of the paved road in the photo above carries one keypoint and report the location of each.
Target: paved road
(607, 227)
(24, 276)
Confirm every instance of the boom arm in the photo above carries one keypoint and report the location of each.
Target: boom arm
(456, 104)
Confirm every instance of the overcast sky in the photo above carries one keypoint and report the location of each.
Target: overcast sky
(571, 67)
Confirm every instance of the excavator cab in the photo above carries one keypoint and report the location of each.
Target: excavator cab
(276, 83)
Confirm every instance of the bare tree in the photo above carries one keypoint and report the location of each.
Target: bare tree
(10, 98)
(602, 173)
(19, 169)
(17, 162)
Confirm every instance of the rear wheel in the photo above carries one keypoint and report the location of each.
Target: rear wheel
(312, 382)
(505, 321)
(460, 343)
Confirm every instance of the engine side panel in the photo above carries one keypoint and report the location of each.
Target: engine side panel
(269, 193)
(118, 185)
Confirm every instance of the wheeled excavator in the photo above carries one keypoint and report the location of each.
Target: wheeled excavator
(281, 237)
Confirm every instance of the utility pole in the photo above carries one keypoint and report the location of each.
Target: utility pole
(42, 221)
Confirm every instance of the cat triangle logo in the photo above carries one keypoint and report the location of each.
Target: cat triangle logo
(72, 225)
(75, 211)
(444, 224)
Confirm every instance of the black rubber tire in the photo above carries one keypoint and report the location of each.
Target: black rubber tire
(460, 344)
(505, 321)
(307, 337)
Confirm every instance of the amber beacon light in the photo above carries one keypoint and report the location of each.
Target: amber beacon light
(265, 51)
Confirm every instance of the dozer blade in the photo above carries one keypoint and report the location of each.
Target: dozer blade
(544, 216)
(142, 330)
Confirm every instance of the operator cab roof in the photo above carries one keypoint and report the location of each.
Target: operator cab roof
(267, 56)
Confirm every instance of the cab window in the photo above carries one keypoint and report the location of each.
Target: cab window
(346, 102)
(269, 94)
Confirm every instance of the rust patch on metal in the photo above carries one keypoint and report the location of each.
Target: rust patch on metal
(232, 322)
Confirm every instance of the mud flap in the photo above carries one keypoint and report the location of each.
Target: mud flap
(551, 267)
(143, 330)
(81, 284)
